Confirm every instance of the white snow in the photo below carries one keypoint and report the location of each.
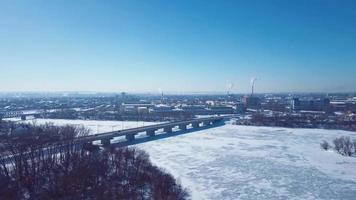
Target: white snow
(246, 162)
(95, 126)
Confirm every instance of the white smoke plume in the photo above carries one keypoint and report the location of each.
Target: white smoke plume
(229, 87)
(253, 80)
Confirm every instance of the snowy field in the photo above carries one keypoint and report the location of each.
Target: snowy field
(241, 162)
(95, 126)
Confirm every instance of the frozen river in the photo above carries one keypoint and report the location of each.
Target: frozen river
(240, 162)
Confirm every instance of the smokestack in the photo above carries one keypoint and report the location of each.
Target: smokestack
(253, 80)
(160, 91)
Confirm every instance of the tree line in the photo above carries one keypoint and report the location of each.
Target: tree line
(43, 162)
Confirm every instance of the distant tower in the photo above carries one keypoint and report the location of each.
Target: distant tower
(253, 80)
(123, 97)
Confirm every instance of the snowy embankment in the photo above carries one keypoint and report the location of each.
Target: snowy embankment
(246, 162)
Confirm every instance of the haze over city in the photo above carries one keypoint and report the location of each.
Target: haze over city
(178, 46)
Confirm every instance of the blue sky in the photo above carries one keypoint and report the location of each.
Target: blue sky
(178, 46)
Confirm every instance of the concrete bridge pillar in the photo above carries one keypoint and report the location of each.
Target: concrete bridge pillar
(216, 121)
(207, 123)
(183, 127)
(130, 137)
(105, 142)
(150, 132)
(167, 129)
(195, 124)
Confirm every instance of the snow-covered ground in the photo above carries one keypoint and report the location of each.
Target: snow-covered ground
(245, 162)
(95, 126)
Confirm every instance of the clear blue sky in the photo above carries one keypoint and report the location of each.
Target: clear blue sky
(178, 46)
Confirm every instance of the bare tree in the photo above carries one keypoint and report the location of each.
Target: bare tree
(338, 145)
(344, 146)
(348, 146)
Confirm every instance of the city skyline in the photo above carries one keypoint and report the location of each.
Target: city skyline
(178, 46)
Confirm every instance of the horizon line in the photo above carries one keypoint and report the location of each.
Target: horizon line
(172, 92)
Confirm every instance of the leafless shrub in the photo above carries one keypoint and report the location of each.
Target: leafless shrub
(348, 146)
(325, 145)
(344, 146)
(338, 144)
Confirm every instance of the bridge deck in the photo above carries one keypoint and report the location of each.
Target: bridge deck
(134, 131)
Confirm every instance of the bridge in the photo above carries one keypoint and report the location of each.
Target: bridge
(10, 114)
(129, 134)
(22, 114)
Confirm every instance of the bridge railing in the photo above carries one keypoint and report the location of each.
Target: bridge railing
(134, 131)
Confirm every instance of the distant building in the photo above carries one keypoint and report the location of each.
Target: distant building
(311, 104)
(142, 110)
(210, 103)
(167, 112)
(251, 102)
(239, 107)
(344, 106)
(160, 108)
(195, 109)
(134, 107)
(221, 110)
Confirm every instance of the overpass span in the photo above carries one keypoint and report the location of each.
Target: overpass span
(150, 130)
